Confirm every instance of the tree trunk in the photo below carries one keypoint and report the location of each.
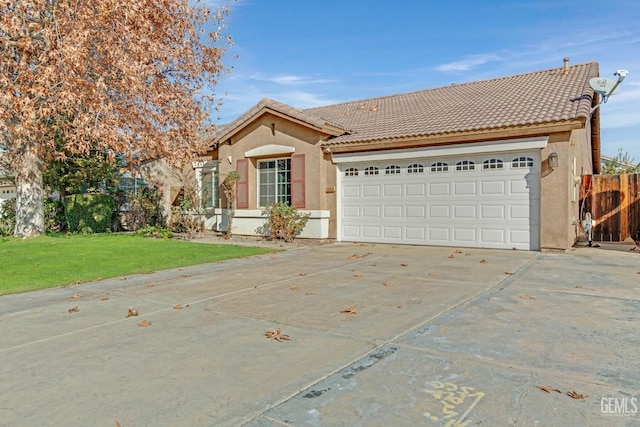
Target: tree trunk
(29, 196)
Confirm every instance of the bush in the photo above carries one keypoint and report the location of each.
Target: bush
(7, 217)
(54, 218)
(155, 231)
(89, 213)
(188, 217)
(142, 210)
(283, 222)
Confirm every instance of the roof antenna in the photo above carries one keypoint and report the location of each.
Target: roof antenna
(607, 87)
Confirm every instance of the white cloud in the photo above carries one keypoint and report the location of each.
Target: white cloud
(472, 61)
(289, 79)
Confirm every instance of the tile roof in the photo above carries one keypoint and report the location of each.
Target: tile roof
(541, 97)
(267, 104)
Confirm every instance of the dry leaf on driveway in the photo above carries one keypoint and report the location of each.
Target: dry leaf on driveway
(277, 335)
(387, 284)
(144, 323)
(548, 388)
(295, 288)
(576, 395)
(357, 274)
(76, 296)
(528, 297)
(483, 261)
(74, 309)
(132, 312)
(349, 310)
(404, 264)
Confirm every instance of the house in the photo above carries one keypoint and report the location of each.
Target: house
(7, 187)
(489, 164)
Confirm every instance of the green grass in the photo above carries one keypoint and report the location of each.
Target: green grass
(49, 261)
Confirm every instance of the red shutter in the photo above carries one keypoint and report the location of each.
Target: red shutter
(297, 181)
(242, 185)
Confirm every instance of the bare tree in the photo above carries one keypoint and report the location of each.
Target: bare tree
(131, 78)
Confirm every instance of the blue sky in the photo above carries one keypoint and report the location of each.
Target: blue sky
(307, 53)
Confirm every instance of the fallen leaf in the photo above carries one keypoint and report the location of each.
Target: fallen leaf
(104, 298)
(387, 284)
(185, 275)
(483, 261)
(124, 278)
(373, 264)
(349, 310)
(576, 395)
(302, 274)
(506, 272)
(548, 388)
(74, 309)
(295, 288)
(363, 244)
(528, 297)
(432, 273)
(578, 286)
(177, 307)
(310, 293)
(76, 296)
(458, 251)
(150, 285)
(144, 324)
(357, 274)
(400, 306)
(132, 312)
(118, 424)
(404, 265)
(452, 256)
(277, 335)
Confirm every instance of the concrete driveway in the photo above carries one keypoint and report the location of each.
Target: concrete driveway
(437, 336)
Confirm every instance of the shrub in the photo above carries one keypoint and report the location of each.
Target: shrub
(89, 213)
(283, 222)
(54, 217)
(7, 217)
(155, 231)
(188, 217)
(144, 209)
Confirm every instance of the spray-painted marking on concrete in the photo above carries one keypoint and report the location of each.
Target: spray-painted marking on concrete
(457, 403)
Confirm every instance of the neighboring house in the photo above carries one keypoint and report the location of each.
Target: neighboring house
(492, 164)
(617, 164)
(7, 187)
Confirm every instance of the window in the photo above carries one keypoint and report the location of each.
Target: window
(392, 170)
(522, 162)
(351, 172)
(210, 184)
(274, 178)
(371, 170)
(439, 167)
(465, 165)
(415, 168)
(492, 164)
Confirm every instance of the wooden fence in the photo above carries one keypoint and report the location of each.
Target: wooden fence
(614, 204)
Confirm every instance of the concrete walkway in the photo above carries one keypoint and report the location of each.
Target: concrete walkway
(438, 337)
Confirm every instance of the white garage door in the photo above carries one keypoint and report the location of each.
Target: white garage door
(485, 201)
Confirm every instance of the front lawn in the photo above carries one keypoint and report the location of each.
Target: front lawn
(48, 261)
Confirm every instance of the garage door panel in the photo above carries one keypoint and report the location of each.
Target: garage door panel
(369, 211)
(464, 235)
(492, 212)
(371, 191)
(415, 211)
(394, 190)
(486, 207)
(393, 233)
(369, 231)
(415, 233)
(393, 211)
(465, 188)
(418, 189)
(439, 189)
(464, 212)
(492, 236)
(439, 211)
(439, 235)
(493, 188)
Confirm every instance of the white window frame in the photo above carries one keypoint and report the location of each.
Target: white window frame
(278, 195)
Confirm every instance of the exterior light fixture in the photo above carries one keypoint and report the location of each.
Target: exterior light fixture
(553, 160)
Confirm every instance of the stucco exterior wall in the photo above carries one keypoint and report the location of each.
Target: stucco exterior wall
(270, 129)
(560, 210)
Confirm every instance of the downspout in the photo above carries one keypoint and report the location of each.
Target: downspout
(595, 135)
